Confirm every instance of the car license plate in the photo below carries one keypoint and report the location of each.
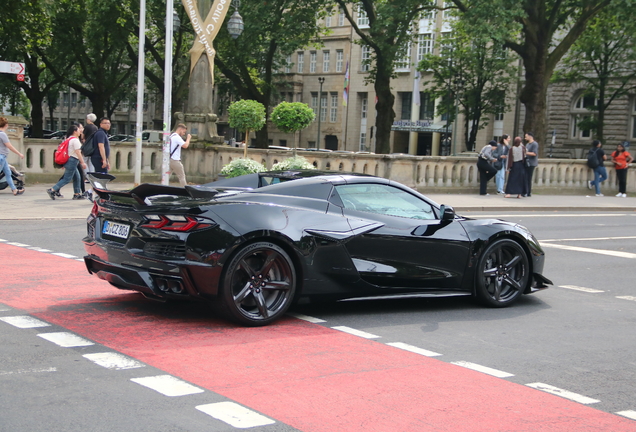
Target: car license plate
(116, 229)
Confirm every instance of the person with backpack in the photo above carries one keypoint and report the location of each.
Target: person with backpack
(5, 146)
(595, 158)
(73, 157)
(176, 144)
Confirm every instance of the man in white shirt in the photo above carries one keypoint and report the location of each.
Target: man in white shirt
(176, 144)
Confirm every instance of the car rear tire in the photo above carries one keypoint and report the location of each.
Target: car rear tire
(502, 273)
(258, 284)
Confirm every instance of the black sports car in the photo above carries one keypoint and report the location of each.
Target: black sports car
(255, 244)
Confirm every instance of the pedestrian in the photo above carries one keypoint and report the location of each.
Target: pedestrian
(70, 167)
(502, 150)
(99, 158)
(176, 144)
(485, 167)
(600, 173)
(516, 167)
(89, 130)
(621, 159)
(532, 159)
(5, 146)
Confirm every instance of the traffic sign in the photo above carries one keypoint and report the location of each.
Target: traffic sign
(12, 67)
(20, 77)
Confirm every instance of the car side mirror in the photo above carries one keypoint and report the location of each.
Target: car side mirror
(447, 213)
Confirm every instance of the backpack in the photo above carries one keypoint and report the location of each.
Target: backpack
(88, 148)
(592, 160)
(60, 156)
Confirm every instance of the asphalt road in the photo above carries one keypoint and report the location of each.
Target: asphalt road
(578, 336)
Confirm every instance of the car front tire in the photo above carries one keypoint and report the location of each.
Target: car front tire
(502, 273)
(258, 284)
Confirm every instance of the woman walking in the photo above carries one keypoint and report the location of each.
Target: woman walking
(517, 184)
(621, 159)
(502, 149)
(70, 167)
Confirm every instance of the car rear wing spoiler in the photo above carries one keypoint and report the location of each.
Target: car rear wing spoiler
(140, 193)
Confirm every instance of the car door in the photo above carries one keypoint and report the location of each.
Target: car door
(413, 249)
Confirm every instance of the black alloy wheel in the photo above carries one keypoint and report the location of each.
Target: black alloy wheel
(502, 273)
(258, 285)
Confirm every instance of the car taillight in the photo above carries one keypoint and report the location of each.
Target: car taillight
(95, 209)
(175, 223)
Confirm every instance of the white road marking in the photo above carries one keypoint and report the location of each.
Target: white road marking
(24, 321)
(590, 239)
(80, 259)
(355, 332)
(168, 385)
(590, 250)
(578, 288)
(632, 298)
(115, 361)
(39, 249)
(17, 244)
(3, 240)
(235, 415)
(413, 349)
(629, 414)
(307, 318)
(3, 308)
(483, 369)
(65, 339)
(28, 371)
(64, 255)
(563, 393)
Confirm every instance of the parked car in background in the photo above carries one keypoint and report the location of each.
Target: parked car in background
(152, 136)
(56, 135)
(121, 138)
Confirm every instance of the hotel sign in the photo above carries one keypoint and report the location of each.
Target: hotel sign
(413, 126)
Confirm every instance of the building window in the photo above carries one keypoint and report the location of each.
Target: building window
(314, 103)
(339, 60)
(407, 99)
(124, 105)
(323, 107)
(448, 12)
(366, 58)
(427, 106)
(301, 62)
(74, 100)
(333, 112)
(312, 62)
(326, 56)
(364, 106)
(82, 102)
(363, 141)
(499, 116)
(424, 45)
(65, 99)
(363, 19)
(341, 17)
(581, 116)
(288, 64)
(403, 64)
(328, 21)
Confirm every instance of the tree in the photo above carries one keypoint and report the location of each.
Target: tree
(603, 59)
(541, 33)
(273, 30)
(390, 30)
(245, 116)
(291, 117)
(473, 68)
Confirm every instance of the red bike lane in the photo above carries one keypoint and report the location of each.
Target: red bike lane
(305, 375)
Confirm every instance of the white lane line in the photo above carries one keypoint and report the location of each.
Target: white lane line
(578, 288)
(632, 298)
(24, 321)
(629, 414)
(590, 250)
(3, 240)
(114, 361)
(235, 415)
(17, 244)
(80, 259)
(413, 349)
(563, 393)
(590, 239)
(355, 332)
(4, 308)
(64, 255)
(65, 339)
(39, 249)
(307, 318)
(483, 369)
(168, 385)
(28, 371)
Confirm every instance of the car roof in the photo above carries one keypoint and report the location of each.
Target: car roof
(255, 181)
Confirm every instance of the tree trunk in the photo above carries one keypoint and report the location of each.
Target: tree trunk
(533, 97)
(384, 108)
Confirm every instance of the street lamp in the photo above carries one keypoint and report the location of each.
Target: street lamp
(171, 24)
(235, 24)
(321, 80)
(140, 90)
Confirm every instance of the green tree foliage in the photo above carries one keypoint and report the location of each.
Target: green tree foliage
(390, 30)
(540, 32)
(247, 115)
(603, 59)
(290, 117)
(273, 30)
(471, 68)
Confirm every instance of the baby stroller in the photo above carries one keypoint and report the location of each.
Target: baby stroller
(18, 179)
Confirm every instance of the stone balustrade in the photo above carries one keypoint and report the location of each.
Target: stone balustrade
(425, 173)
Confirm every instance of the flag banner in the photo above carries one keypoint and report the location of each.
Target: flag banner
(345, 93)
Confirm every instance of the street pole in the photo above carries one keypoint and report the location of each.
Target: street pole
(141, 61)
(321, 80)
(167, 95)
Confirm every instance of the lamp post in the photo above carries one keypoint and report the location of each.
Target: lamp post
(321, 80)
(172, 22)
(235, 24)
(140, 90)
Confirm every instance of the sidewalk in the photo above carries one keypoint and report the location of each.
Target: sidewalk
(35, 204)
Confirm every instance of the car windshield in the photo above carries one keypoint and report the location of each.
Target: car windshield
(385, 200)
